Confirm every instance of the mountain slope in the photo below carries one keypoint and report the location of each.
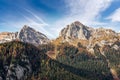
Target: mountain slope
(30, 35)
(79, 53)
(19, 61)
(75, 30)
(7, 36)
(26, 34)
(87, 36)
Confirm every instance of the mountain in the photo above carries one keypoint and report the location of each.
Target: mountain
(26, 34)
(103, 44)
(75, 30)
(29, 35)
(79, 53)
(87, 36)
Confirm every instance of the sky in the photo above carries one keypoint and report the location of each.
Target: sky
(50, 16)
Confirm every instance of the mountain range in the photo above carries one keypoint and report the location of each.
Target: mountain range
(26, 34)
(78, 53)
(76, 31)
(73, 34)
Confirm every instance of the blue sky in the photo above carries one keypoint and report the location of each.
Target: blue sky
(50, 16)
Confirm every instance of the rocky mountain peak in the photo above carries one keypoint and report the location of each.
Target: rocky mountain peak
(25, 26)
(76, 30)
(78, 23)
(30, 35)
(7, 36)
(26, 34)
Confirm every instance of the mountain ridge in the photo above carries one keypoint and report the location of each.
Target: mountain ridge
(76, 30)
(94, 57)
(73, 33)
(26, 34)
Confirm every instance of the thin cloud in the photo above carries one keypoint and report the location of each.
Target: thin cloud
(37, 17)
(37, 23)
(31, 19)
(115, 16)
(86, 11)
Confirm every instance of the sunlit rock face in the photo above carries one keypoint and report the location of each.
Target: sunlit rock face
(28, 34)
(75, 30)
(7, 36)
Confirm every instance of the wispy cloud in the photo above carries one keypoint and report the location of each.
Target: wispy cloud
(38, 23)
(86, 11)
(115, 16)
(39, 27)
(31, 19)
(37, 17)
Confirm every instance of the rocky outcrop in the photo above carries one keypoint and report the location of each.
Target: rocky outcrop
(102, 37)
(7, 36)
(29, 35)
(79, 31)
(75, 30)
(26, 34)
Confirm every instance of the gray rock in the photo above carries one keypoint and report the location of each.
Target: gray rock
(75, 31)
(29, 35)
(7, 37)
(26, 34)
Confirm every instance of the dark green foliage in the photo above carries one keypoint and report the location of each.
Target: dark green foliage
(114, 58)
(17, 53)
(46, 47)
(84, 65)
(72, 63)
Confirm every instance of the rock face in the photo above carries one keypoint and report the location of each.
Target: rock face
(26, 34)
(79, 31)
(29, 35)
(75, 30)
(7, 36)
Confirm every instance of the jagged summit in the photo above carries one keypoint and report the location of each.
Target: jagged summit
(76, 30)
(26, 34)
(30, 35)
(25, 26)
(77, 23)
